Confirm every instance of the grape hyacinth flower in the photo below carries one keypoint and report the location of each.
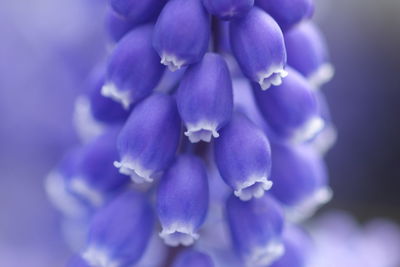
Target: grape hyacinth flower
(235, 196)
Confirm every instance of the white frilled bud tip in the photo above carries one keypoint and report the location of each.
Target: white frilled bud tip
(264, 256)
(203, 131)
(99, 257)
(134, 170)
(80, 187)
(309, 206)
(309, 130)
(178, 234)
(272, 76)
(172, 62)
(111, 91)
(322, 75)
(253, 187)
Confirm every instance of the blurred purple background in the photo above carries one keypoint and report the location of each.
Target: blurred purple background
(48, 47)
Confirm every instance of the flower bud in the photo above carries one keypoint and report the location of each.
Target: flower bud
(133, 68)
(258, 46)
(181, 34)
(287, 12)
(243, 157)
(77, 261)
(117, 26)
(307, 53)
(228, 9)
(205, 99)
(297, 248)
(182, 202)
(139, 11)
(193, 258)
(256, 228)
(300, 179)
(149, 140)
(120, 232)
(291, 109)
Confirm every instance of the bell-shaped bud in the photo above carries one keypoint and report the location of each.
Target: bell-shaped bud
(139, 11)
(228, 9)
(120, 232)
(103, 109)
(243, 157)
(287, 12)
(256, 229)
(77, 261)
(96, 178)
(182, 201)
(133, 68)
(205, 99)
(181, 34)
(308, 54)
(258, 46)
(298, 248)
(149, 140)
(300, 179)
(117, 26)
(193, 258)
(291, 109)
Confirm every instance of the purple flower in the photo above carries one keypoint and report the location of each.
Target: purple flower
(133, 68)
(181, 33)
(256, 229)
(182, 202)
(243, 157)
(205, 99)
(149, 140)
(138, 11)
(120, 232)
(258, 46)
(193, 258)
(228, 9)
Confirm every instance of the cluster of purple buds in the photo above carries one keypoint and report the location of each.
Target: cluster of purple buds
(204, 129)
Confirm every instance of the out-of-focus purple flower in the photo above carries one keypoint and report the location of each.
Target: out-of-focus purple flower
(181, 33)
(291, 109)
(256, 229)
(193, 258)
(287, 12)
(117, 26)
(120, 232)
(258, 46)
(300, 179)
(138, 11)
(308, 54)
(205, 99)
(149, 140)
(133, 68)
(243, 157)
(182, 202)
(228, 9)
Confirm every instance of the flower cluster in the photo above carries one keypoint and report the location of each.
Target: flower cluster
(204, 128)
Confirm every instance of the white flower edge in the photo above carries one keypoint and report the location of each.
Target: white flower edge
(82, 188)
(310, 129)
(265, 255)
(272, 76)
(135, 170)
(178, 234)
(322, 75)
(254, 186)
(172, 62)
(110, 90)
(96, 256)
(202, 131)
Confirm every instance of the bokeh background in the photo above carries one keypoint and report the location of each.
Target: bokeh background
(48, 47)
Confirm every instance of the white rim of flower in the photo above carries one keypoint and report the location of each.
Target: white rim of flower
(325, 140)
(309, 205)
(265, 255)
(135, 170)
(110, 90)
(55, 187)
(96, 256)
(308, 130)
(322, 75)
(178, 234)
(201, 131)
(172, 61)
(255, 187)
(84, 123)
(82, 188)
(272, 76)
